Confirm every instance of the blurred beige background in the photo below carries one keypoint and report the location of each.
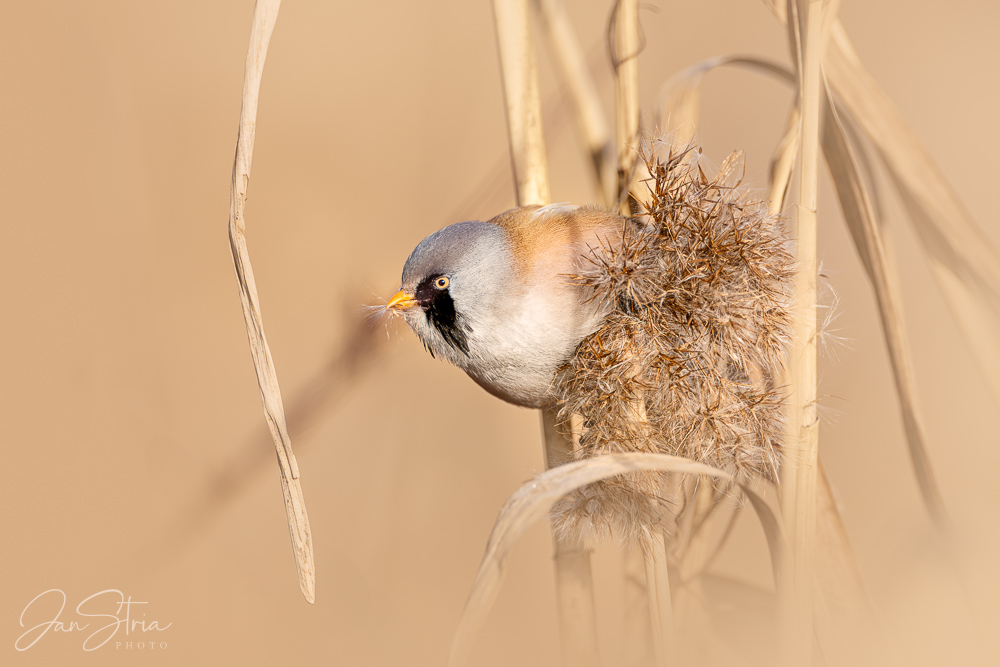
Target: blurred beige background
(136, 455)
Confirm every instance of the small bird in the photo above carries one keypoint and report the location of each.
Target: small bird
(663, 332)
(497, 298)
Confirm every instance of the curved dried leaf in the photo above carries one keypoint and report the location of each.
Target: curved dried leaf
(535, 499)
(680, 97)
(264, 16)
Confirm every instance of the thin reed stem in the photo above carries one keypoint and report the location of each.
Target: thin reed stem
(644, 622)
(638, 633)
(574, 579)
(658, 595)
(798, 475)
(590, 118)
(519, 71)
(625, 23)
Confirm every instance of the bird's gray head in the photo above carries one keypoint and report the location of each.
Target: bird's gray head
(450, 288)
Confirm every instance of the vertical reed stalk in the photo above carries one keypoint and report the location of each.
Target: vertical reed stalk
(625, 24)
(626, 63)
(847, 629)
(625, 21)
(574, 579)
(660, 607)
(798, 475)
(590, 118)
(519, 71)
(638, 636)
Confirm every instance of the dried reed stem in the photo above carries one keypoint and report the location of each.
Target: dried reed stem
(658, 596)
(798, 475)
(264, 16)
(844, 611)
(963, 262)
(625, 24)
(638, 633)
(847, 629)
(590, 118)
(625, 59)
(519, 71)
(574, 579)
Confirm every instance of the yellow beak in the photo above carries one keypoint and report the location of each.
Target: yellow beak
(401, 300)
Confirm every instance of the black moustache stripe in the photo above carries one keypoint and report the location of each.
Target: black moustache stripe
(441, 313)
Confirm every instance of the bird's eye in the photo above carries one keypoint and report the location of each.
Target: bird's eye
(442, 282)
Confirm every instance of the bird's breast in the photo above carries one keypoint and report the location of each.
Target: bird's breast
(517, 359)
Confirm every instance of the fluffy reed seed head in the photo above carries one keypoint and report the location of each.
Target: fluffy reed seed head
(686, 361)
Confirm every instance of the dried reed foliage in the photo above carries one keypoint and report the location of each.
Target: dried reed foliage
(685, 363)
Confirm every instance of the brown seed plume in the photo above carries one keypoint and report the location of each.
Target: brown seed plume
(687, 360)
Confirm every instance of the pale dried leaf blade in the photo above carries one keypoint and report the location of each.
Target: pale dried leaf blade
(659, 602)
(965, 263)
(534, 501)
(860, 217)
(264, 17)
